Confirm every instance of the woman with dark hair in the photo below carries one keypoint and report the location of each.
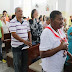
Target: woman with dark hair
(36, 28)
(40, 17)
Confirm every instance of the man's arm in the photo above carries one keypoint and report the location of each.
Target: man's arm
(20, 39)
(29, 36)
(2, 34)
(51, 52)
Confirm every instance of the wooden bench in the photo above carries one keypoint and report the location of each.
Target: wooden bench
(6, 37)
(7, 45)
(36, 66)
(33, 53)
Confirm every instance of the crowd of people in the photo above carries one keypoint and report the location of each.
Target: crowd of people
(50, 32)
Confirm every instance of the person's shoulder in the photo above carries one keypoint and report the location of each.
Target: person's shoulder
(0, 20)
(30, 21)
(0, 23)
(47, 29)
(46, 32)
(70, 28)
(13, 20)
(7, 22)
(26, 22)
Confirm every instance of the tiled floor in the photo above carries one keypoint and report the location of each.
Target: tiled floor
(4, 68)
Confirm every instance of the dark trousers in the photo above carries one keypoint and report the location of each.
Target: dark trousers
(20, 60)
(1, 57)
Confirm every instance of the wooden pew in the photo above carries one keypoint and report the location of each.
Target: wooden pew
(7, 45)
(7, 36)
(33, 53)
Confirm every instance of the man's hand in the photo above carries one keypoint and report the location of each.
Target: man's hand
(63, 45)
(28, 43)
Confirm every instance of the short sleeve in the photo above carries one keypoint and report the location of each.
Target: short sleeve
(0, 23)
(12, 27)
(45, 41)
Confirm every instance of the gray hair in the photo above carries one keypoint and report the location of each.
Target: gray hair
(16, 9)
(47, 18)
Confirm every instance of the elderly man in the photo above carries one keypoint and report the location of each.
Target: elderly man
(53, 44)
(47, 22)
(20, 37)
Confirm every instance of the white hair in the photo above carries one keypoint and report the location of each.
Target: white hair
(16, 9)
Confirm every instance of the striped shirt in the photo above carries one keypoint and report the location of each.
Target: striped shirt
(21, 30)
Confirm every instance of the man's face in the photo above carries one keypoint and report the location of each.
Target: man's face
(19, 13)
(5, 13)
(58, 21)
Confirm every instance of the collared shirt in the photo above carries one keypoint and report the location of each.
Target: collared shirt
(21, 30)
(49, 41)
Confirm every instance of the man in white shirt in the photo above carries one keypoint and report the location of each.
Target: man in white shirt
(51, 47)
(20, 37)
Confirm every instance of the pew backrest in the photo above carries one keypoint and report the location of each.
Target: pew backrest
(33, 52)
(7, 36)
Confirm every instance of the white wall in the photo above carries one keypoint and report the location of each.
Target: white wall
(28, 5)
(4, 5)
(9, 5)
(62, 5)
(41, 6)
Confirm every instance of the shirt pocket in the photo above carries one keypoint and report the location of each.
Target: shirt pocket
(56, 42)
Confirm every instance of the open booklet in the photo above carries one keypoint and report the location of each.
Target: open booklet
(25, 47)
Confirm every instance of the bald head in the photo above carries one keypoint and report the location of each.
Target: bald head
(18, 12)
(17, 9)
